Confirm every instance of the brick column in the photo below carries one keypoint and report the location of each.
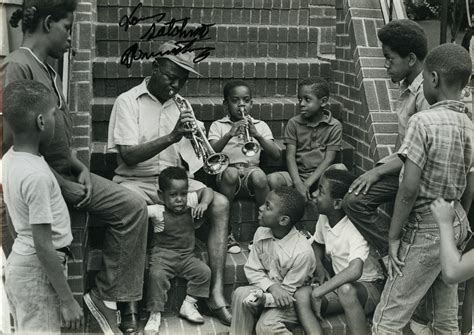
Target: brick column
(80, 84)
(80, 101)
(361, 83)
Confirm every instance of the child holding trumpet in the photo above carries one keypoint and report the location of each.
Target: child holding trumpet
(242, 138)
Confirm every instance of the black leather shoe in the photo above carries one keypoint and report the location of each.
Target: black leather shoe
(222, 313)
(129, 317)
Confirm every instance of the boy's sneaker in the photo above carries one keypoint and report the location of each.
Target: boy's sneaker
(233, 246)
(153, 324)
(190, 312)
(107, 318)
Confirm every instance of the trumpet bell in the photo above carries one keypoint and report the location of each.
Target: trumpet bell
(250, 149)
(216, 163)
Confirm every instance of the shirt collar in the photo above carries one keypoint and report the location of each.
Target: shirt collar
(414, 86)
(327, 118)
(226, 119)
(142, 89)
(339, 227)
(285, 243)
(454, 105)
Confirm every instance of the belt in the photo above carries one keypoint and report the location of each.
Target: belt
(67, 251)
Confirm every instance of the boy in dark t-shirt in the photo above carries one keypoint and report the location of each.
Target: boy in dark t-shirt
(172, 254)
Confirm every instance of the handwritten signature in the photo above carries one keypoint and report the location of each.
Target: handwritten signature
(174, 28)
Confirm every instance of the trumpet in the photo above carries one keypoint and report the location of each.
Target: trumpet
(214, 163)
(250, 148)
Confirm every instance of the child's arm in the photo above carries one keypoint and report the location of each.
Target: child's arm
(320, 274)
(303, 266)
(270, 147)
(350, 274)
(293, 169)
(455, 267)
(366, 180)
(406, 196)
(205, 196)
(71, 312)
(219, 145)
(328, 160)
(466, 199)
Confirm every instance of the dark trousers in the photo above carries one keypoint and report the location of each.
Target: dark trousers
(124, 249)
(362, 211)
(167, 264)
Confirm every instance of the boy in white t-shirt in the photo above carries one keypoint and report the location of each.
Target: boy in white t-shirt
(36, 286)
(355, 288)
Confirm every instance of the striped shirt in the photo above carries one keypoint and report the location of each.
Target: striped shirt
(439, 142)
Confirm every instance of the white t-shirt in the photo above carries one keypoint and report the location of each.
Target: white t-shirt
(343, 244)
(33, 196)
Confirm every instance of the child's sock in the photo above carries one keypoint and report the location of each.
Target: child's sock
(190, 299)
(110, 304)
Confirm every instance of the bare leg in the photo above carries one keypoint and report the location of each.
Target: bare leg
(217, 247)
(275, 180)
(229, 182)
(305, 312)
(258, 182)
(353, 310)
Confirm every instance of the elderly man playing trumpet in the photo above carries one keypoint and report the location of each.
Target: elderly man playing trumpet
(151, 131)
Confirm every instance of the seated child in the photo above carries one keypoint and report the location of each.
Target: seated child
(312, 139)
(437, 152)
(355, 288)
(172, 252)
(36, 270)
(243, 177)
(455, 267)
(280, 262)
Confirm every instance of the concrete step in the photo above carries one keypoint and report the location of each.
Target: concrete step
(226, 40)
(275, 111)
(172, 324)
(269, 77)
(275, 12)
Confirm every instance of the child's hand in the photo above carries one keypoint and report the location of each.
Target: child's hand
(252, 130)
(198, 211)
(282, 297)
(394, 263)
(443, 212)
(237, 127)
(301, 188)
(255, 300)
(364, 182)
(72, 315)
(320, 275)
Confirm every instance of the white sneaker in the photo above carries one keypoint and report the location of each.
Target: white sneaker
(190, 312)
(153, 324)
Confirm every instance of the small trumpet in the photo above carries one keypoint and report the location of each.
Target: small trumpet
(250, 148)
(214, 163)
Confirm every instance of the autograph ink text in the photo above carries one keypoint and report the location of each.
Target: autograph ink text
(185, 36)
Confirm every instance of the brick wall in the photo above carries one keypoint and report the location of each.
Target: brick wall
(360, 82)
(80, 88)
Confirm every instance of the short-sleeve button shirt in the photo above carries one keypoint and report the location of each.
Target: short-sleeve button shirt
(313, 140)
(439, 142)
